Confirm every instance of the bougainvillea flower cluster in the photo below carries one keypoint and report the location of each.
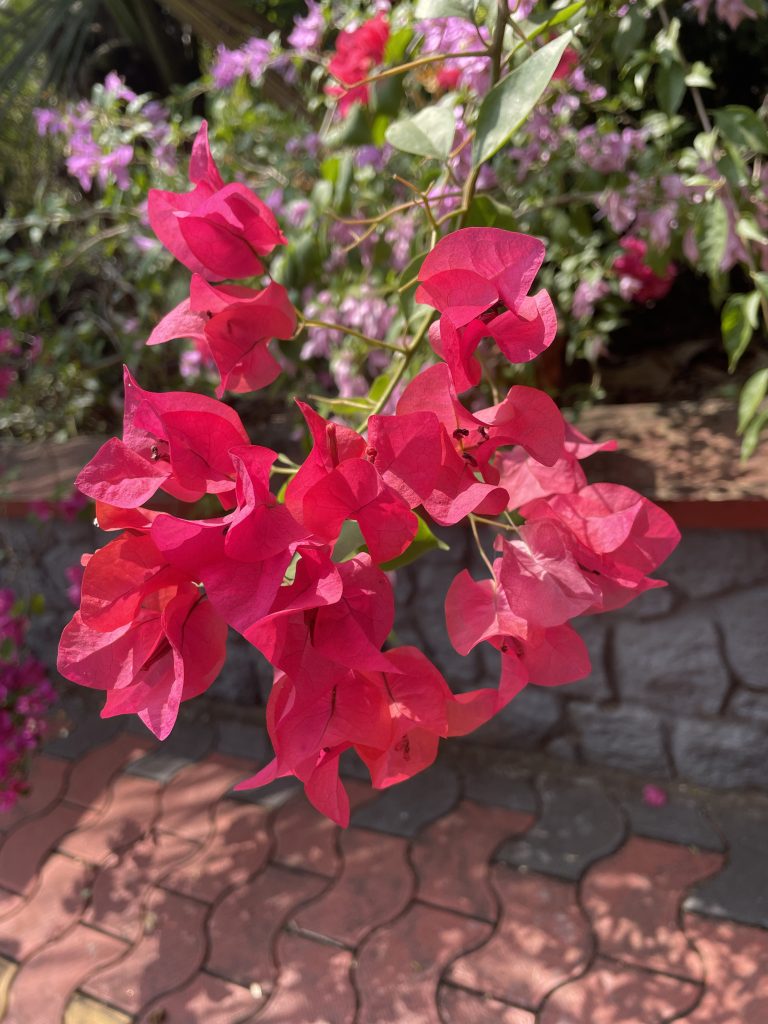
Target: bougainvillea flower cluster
(26, 696)
(271, 561)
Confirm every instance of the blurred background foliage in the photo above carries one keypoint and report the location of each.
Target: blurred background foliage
(84, 283)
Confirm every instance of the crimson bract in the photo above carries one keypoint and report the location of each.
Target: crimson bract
(273, 562)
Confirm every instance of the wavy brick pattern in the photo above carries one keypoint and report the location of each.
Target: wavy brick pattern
(140, 896)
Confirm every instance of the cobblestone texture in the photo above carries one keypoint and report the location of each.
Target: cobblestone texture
(165, 899)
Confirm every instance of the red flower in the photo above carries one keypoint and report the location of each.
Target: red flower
(357, 52)
(216, 230)
(567, 64)
(176, 441)
(234, 324)
(478, 278)
(144, 633)
(638, 281)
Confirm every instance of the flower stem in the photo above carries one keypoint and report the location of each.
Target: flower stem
(327, 325)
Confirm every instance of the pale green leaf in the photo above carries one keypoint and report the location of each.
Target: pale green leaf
(428, 133)
(711, 231)
(738, 321)
(699, 76)
(747, 228)
(508, 104)
(752, 435)
(670, 87)
(743, 127)
(444, 9)
(752, 394)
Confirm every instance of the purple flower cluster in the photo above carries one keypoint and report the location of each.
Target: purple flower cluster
(15, 356)
(26, 696)
(251, 59)
(96, 156)
(455, 35)
(366, 312)
(308, 31)
(732, 12)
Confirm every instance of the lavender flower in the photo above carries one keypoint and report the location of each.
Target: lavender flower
(308, 31)
(250, 59)
(453, 35)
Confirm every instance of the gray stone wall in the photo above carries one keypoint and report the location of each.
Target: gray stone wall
(678, 689)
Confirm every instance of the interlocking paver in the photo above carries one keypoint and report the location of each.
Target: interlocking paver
(499, 784)
(238, 849)
(159, 765)
(243, 925)
(399, 967)
(167, 955)
(680, 820)
(611, 993)
(405, 809)
(88, 783)
(129, 814)
(633, 899)
(189, 798)
(116, 904)
(56, 904)
(460, 1007)
(542, 940)
(44, 984)
(46, 783)
(205, 1000)
(306, 839)
(740, 891)
(84, 729)
(26, 847)
(375, 884)
(451, 856)
(736, 970)
(313, 984)
(579, 824)
(83, 1010)
(243, 739)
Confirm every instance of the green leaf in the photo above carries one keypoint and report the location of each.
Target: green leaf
(487, 212)
(423, 542)
(760, 279)
(670, 87)
(509, 103)
(738, 321)
(752, 435)
(704, 144)
(711, 231)
(378, 387)
(557, 19)
(742, 127)
(699, 76)
(36, 604)
(747, 228)
(630, 32)
(7, 648)
(396, 46)
(752, 394)
(350, 543)
(444, 9)
(428, 133)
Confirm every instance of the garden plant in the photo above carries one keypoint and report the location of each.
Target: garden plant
(428, 425)
(641, 165)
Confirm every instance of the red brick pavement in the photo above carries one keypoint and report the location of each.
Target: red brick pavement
(126, 899)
